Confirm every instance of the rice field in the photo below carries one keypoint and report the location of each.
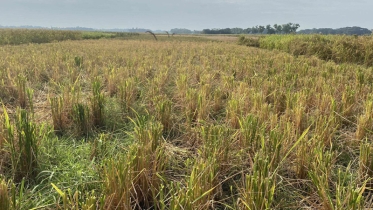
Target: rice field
(182, 123)
(336, 48)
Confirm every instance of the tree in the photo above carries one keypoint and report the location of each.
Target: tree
(290, 28)
(254, 30)
(181, 31)
(248, 31)
(294, 27)
(261, 29)
(286, 28)
(270, 30)
(237, 31)
(346, 30)
(278, 28)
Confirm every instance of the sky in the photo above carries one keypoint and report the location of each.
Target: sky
(191, 14)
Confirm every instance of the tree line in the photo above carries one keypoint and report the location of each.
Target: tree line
(346, 30)
(268, 29)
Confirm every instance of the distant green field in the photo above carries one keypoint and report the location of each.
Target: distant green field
(25, 36)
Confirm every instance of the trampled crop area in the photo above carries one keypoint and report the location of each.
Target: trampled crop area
(181, 123)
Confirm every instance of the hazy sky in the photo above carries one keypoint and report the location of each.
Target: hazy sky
(191, 14)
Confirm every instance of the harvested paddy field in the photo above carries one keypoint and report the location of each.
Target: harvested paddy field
(182, 123)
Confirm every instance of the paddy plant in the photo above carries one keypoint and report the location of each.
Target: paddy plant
(134, 181)
(203, 106)
(250, 133)
(349, 191)
(128, 92)
(199, 189)
(259, 185)
(78, 61)
(5, 200)
(118, 184)
(365, 160)
(234, 110)
(98, 103)
(81, 118)
(364, 121)
(164, 113)
(303, 158)
(10, 197)
(75, 200)
(217, 141)
(22, 95)
(191, 105)
(218, 100)
(320, 175)
(339, 48)
(22, 138)
(58, 117)
(113, 82)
